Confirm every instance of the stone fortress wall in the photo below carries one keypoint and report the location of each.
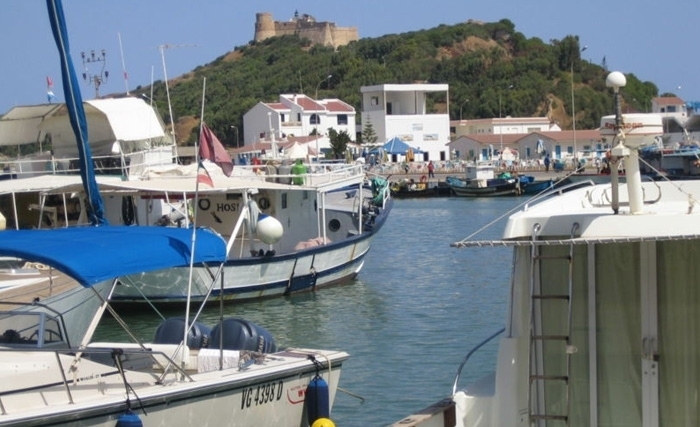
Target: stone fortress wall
(305, 26)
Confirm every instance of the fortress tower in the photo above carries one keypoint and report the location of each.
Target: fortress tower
(305, 26)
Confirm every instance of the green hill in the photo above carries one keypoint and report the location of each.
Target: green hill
(479, 61)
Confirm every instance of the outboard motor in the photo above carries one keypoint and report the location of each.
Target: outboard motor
(240, 334)
(170, 331)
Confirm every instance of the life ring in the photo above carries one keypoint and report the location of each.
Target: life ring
(423, 178)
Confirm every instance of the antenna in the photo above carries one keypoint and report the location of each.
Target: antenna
(126, 76)
(167, 88)
(96, 79)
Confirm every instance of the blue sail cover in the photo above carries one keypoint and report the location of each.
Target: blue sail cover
(93, 254)
(76, 113)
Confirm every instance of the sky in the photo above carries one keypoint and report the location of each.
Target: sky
(656, 41)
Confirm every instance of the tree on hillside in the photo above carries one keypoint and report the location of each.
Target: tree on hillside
(369, 136)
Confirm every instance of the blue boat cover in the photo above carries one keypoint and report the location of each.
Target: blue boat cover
(93, 254)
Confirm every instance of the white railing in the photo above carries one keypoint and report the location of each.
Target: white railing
(127, 164)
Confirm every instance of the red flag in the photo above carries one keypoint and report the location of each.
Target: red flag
(203, 177)
(49, 82)
(211, 149)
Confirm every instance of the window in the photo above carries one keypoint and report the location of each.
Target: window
(282, 118)
(342, 119)
(314, 119)
(374, 100)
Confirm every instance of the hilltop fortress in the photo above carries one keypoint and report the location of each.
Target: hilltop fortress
(304, 26)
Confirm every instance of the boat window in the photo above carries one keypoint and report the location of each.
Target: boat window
(334, 225)
(36, 329)
(283, 201)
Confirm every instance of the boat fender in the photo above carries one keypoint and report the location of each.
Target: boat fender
(323, 422)
(317, 405)
(268, 229)
(129, 419)
(423, 178)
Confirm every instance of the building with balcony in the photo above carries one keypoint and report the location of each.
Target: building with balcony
(410, 112)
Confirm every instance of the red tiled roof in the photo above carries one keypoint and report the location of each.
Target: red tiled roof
(337, 106)
(308, 103)
(669, 100)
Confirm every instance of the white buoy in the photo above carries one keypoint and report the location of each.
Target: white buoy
(269, 230)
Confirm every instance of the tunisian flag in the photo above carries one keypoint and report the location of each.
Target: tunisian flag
(210, 148)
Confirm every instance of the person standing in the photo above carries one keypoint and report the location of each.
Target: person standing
(546, 163)
(431, 169)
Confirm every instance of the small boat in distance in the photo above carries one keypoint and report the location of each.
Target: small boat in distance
(480, 181)
(602, 318)
(409, 189)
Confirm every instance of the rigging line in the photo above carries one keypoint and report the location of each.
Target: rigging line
(116, 356)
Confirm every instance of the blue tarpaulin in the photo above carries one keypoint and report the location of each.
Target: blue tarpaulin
(93, 254)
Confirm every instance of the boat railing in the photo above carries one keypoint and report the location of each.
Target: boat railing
(316, 174)
(129, 164)
(556, 191)
(162, 361)
(469, 355)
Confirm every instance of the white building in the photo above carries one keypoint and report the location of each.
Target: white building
(297, 115)
(401, 111)
(505, 125)
(560, 145)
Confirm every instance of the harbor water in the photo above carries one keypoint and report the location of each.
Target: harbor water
(417, 307)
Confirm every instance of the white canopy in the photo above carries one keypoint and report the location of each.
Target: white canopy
(131, 121)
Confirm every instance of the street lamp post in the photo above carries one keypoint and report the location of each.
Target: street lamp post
(573, 110)
(500, 124)
(460, 108)
(319, 85)
(235, 129)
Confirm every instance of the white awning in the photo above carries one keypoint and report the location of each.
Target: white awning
(131, 121)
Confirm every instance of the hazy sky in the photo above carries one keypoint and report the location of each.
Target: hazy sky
(657, 41)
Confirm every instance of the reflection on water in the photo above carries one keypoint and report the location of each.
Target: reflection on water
(417, 308)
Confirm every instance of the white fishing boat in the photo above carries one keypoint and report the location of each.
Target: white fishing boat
(601, 327)
(283, 237)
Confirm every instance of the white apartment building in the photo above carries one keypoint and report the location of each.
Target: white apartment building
(401, 111)
(297, 115)
(505, 125)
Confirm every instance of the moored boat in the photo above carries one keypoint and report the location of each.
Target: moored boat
(601, 311)
(531, 186)
(480, 181)
(409, 189)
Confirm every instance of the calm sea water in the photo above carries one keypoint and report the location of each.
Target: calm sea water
(416, 309)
